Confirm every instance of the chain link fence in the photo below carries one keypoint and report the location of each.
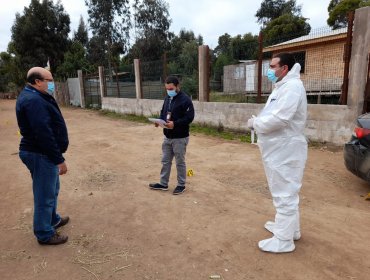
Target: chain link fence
(120, 83)
(92, 90)
(321, 56)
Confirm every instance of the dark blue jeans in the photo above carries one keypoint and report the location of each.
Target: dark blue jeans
(45, 184)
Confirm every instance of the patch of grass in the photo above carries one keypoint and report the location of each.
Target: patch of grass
(127, 117)
(219, 131)
(234, 97)
(230, 98)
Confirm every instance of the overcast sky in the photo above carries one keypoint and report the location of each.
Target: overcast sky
(209, 18)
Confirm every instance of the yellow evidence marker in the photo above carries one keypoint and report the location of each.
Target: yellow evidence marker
(190, 172)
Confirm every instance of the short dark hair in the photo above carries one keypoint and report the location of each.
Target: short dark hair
(34, 76)
(172, 80)
(286, 59)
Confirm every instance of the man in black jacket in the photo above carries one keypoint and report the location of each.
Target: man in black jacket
(178, 112)
(44, 140)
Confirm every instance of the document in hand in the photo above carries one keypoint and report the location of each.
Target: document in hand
(160, 122)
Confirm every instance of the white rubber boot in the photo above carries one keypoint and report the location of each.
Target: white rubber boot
(275, 245)
(270, 227)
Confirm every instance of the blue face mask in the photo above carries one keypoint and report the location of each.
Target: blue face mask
(171, 93)
(51, 88)
(271, 75)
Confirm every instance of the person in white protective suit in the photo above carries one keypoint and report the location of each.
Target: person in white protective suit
(283, 146)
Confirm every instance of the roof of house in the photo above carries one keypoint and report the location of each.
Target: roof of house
(312, 38)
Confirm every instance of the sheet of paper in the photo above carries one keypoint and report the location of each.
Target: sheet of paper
(160, 122)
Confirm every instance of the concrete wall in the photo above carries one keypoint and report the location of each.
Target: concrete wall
(325, 123)
(143, 107)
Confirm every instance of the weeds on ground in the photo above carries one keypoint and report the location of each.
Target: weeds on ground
(127, 117)
(213, 131)
(221, 132)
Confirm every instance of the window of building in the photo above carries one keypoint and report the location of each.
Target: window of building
(300, 57)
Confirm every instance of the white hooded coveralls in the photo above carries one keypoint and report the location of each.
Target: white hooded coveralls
(280, 130)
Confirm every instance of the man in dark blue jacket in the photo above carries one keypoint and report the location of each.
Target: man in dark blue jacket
(178, 112)
(44, 140)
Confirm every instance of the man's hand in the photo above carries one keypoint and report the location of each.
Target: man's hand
(62, 168)
(170, 125)
(250, 122)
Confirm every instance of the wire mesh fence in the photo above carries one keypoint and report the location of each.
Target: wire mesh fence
(321, 56)
(152, 74)
(92, 90)
(120, 83)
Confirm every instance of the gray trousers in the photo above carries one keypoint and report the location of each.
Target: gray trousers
(174, 148)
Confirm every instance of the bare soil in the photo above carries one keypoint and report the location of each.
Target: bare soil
(120, 229)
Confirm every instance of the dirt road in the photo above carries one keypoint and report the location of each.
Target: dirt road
(120, 229)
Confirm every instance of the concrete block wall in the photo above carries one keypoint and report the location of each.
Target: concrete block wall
(325, 123)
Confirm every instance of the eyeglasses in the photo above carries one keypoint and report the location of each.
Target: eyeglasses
(48, 80)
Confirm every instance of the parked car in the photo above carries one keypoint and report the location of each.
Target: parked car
(357, 150)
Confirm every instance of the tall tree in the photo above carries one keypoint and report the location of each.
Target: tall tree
(110, 21)
(40, 34)
(8, 72)
(281, 21)
(183, 59)
(338, 10)
(232, 49)
(244, 47)
(178, 41)
(284, 28)
(272, 9)
(238, 47)
(224, 45)
(81, 35)
(74, 59)
(152, 22)
(96, 55)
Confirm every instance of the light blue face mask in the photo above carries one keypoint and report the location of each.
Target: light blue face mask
(51, 88)
(271, 75)
(171, 93)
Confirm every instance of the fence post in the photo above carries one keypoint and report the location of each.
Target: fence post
(164, 76)
(101, 82)
(138, 86)
(347, 59)
(82, 89)
(259, 79)
(203, 64)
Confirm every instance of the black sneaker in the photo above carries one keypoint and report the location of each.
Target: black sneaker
(156, 186)
(179, 190)
(56, 239)
(62, 222)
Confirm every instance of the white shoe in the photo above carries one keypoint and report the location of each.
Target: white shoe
(270, 227)
(275, 245)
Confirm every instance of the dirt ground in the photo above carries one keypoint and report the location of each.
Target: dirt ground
(120, 229)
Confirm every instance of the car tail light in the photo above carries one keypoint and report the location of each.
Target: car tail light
(361, 132)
